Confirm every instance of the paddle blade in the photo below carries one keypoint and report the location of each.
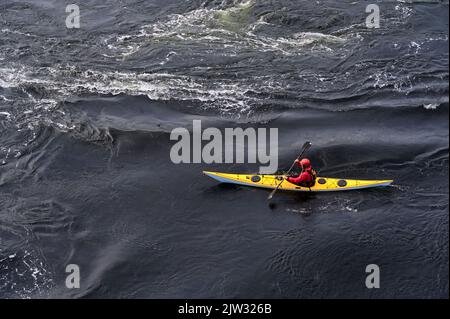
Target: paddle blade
(271, 194)
(306, 147)
(275, 190)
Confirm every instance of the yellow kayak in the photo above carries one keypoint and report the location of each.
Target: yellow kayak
(323, 184)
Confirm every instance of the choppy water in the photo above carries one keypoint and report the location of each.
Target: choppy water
(86, 178)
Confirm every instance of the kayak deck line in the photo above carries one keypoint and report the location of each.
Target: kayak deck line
(323, 184)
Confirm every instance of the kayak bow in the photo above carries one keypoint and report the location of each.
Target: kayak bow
(323, 184)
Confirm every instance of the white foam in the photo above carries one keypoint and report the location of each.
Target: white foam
(5, 30)
(210, 26)
(222, 95)
(431, 106)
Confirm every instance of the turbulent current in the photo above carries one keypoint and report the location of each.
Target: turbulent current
(86, 176)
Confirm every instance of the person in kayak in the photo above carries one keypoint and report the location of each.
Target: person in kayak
(307, 178)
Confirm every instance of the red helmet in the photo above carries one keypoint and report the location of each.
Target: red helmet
(305, 163)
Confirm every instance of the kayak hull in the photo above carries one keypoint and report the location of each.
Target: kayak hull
(323, 184)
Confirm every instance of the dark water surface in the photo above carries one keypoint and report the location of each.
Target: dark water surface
(86, 177)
